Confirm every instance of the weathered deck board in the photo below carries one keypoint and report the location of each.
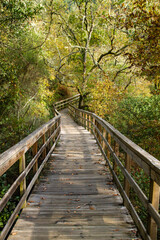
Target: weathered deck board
(75, 198)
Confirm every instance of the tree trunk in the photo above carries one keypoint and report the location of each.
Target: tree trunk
(80, 102)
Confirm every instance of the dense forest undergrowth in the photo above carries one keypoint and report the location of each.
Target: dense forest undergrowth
(107, 51)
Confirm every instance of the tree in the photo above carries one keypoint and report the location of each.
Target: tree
(23, 73)
(86, 40)
(140, 19)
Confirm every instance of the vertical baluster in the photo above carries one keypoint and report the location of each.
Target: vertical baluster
(128, 162)
(75, 113)
(103, 143)
(109, 141)
(34, 150)
(90, 124)
(78, 116)
(95, 129)
(84, 120)
(59, 125)
(55, 128)
(44, 141)
(154, 199)
(50, 133)
(81, 118)
(87, 122)
(116, 150)
(93, 126)
(99, 136)
(22, 166)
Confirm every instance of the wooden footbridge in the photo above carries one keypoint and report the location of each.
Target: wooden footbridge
(76, 196)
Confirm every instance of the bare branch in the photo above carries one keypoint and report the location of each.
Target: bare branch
(121, 71)
(130, 81)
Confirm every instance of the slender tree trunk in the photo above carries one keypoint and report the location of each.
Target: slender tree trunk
(80, 102)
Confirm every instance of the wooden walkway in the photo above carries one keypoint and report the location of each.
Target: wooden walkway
(75, 197)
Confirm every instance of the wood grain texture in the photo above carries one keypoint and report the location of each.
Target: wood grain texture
(75, 197)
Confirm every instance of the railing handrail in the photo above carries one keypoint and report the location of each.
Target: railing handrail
(147, 157)
(140, 152)
(67, 99)
(64, 103)
(22, 147)
(106, 136)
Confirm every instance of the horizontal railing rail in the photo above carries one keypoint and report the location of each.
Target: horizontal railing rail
(64, 103)
(121, 154)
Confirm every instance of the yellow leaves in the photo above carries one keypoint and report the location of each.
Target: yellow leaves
(104, 94)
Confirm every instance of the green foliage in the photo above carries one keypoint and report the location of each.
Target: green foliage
(10, 206)
(141, 20)
(25, 95)
(139, 119)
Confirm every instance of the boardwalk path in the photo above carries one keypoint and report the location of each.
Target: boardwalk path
(75, 198)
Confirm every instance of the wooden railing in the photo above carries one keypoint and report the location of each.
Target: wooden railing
(122, 155)
(40, 144)
(64, 103)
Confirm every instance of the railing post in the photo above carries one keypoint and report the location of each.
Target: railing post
(93, 126)
(44, 140)
(22, 166)
(84, 120)
(55, 128)
(81, 120)
(59, 125)
(116, 151)
(104, 146)
(85, 126)
(103, 143)
(99, 136)
(34, 150)
(128, 162)
(95, 129)
(49, 145)
(109, 142)
(90, 124)
(154, 199)
(87, 122)
(75, 115)
(79, 117)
